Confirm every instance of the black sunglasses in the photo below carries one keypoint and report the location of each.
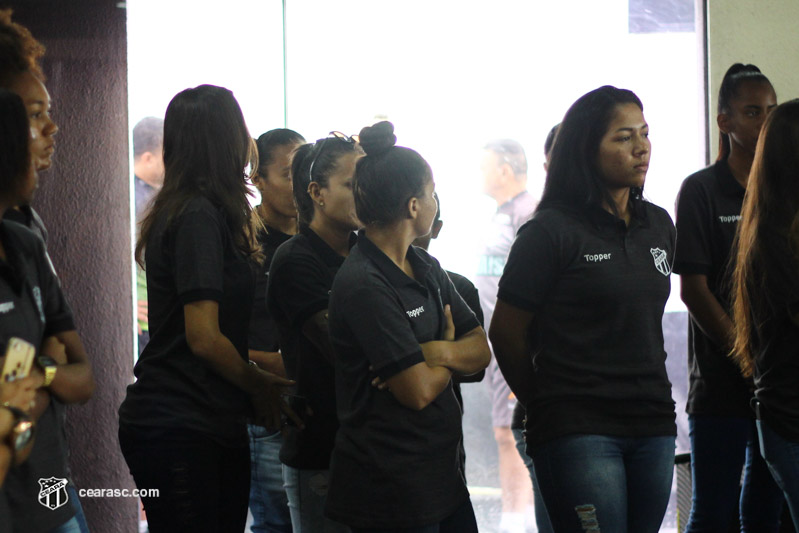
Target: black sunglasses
(320, 145)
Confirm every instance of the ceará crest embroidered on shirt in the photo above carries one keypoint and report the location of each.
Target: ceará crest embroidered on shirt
(661, 261)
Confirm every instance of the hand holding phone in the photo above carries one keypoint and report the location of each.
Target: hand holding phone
(18, 359)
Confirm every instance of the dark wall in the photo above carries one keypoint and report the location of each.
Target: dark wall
(84, 200)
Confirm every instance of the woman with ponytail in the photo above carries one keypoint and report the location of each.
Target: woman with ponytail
(399, 330)
(765, 296)
(721, 422)
(298, 291)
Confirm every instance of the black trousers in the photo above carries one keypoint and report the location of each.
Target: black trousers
(203, 487)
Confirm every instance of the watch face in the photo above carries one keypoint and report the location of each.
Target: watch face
(46, 360)
(24, 435)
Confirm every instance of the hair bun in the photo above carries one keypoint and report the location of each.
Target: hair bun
(378, 139)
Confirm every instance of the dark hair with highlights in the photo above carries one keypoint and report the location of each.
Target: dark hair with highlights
(387, 177)
(573, 177)
(15, 159)
(765, 284)
(206, 150)
(19, 51)
(737, 75)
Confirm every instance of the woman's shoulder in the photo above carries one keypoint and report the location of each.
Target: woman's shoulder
(26, 241)
(656, 213)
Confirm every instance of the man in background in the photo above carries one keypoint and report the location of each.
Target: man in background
(504, 170)
(148, 170)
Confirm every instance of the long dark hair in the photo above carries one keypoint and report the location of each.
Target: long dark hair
(315, 163)
(15, 159)
(206, 149)
(765, 281)
(387, 177)
(736, 75)
(573, 177)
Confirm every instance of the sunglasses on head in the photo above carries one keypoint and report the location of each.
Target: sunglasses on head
(320, 146)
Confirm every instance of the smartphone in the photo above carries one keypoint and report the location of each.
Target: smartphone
(18, 359)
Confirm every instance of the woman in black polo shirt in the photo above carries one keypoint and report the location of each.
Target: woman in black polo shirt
(721, 421)
(765, 295)
(577, 327)
(395, 318)
(298, 290)
(182, 426)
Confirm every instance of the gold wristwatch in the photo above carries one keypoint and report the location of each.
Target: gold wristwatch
(49, 367)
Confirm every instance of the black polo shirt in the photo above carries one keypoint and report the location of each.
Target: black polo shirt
(192, 258)
(708, 211)
(33, 307)
(392, 466)
(299, 285)
(468, 292)
(598, 289)
(263, 334)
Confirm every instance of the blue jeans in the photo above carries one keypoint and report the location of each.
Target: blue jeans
(268, 502)
(597, 482)
(76, 524)
(307, 492)
(541, 516)
(721, 446)
(782, 458)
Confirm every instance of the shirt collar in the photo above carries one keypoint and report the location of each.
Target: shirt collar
(421, 265)
(727, 182)
(322, 249)
(601, 217)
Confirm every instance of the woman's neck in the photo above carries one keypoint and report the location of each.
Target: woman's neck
(337, 239)
(621, 199)
(740, 163)
(393, 241)
(280, 222)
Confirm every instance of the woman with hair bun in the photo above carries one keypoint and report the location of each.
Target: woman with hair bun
(765, 295)
(721, 422)
(577, 329)
(399, 330)
(298, 291)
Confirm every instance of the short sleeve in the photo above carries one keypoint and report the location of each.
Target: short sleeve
(199, 248)
(462, 315)
(469, 293)
(532, 268)
(693, 249)
(381, 329)
(298, 288)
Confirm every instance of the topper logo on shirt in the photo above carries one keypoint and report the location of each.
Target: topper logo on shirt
(596, 258)
(413, 313)
(5, 307)
(661, 261)
(729, 218)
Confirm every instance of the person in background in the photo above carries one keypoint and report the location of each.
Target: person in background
(517, 423)
(397, 320)
(182, 425)
(577, 329)
(148, 177)
(504, 170)
(298, 292)
(21, 73)
(765, 295)
(268, 502)
(721, 422)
